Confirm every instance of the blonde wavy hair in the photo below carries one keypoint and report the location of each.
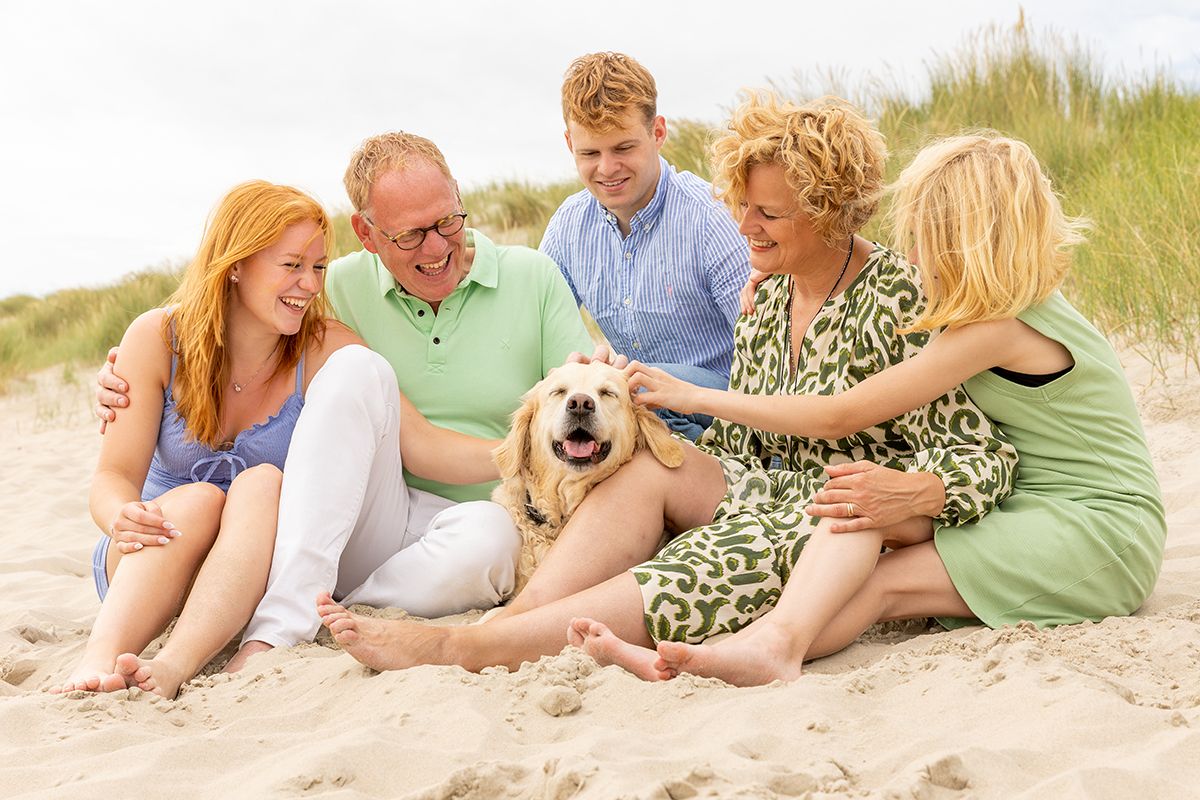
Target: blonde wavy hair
(831, 155)
(385, 153)
(600, 88)
(990, 233)
(252, 216)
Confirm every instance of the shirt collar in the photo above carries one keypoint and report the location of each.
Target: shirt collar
(648, 216)
(485, 268)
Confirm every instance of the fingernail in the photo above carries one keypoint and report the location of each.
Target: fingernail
(137, 545)
(122, 387)
(163, 540)
(176, 533)
(122, 402)
(167, 525)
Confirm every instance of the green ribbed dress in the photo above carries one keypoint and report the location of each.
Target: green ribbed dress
(1081, 536)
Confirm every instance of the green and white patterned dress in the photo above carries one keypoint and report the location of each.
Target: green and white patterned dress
(719, 577)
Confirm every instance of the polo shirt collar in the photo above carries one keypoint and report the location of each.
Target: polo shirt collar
(649, 215)
(485, 268)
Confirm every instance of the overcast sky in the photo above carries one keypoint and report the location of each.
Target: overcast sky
(124, 122)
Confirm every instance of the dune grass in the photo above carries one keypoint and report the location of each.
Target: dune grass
(1122, 150)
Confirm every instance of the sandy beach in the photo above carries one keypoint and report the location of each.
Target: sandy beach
(1091, 711)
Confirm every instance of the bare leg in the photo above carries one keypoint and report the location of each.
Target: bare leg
(829, 572)
(628, 512)
(397, 644)
(146, 588)
(910, 582)
(228, 587)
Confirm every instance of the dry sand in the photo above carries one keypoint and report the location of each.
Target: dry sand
(1096, 711)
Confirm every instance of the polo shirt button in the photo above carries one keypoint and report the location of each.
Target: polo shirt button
(436, 340)
(420, 312)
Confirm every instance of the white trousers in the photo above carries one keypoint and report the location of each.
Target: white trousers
(349, 524)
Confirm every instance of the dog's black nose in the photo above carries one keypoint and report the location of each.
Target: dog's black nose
(581, 404)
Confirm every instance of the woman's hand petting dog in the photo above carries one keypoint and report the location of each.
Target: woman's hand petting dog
(656, 388)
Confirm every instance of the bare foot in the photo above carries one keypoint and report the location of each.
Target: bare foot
(384, 644)
(89, 678)
(595, 639)
(756, 655)
(251, 648)
(151, 675)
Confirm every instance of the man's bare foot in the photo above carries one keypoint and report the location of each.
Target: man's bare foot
(151, 675)
(384, 644)
(595, 639)
(754, 656)
(251, 648)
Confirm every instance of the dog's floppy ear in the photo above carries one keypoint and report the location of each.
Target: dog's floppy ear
(652, 434)
(513, 452)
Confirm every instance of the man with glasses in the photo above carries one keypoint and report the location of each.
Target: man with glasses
(467, 326)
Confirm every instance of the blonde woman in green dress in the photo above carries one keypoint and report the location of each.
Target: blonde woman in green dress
(1080, 538)
(802, 180)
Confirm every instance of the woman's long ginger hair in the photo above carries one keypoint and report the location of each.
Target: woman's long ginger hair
(990, 233)
(251, 217)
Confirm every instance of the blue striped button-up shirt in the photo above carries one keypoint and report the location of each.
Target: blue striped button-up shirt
(669, 291)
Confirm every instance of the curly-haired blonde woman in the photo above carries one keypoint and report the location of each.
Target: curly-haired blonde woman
(801, 180)
(187, 485)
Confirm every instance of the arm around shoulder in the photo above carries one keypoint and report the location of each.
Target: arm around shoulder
(144, 360)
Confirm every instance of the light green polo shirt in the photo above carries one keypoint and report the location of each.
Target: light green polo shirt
(509, 321)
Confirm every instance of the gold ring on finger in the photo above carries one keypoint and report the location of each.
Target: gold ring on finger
(849, 509)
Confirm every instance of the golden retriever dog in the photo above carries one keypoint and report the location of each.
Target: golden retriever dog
(573, 430)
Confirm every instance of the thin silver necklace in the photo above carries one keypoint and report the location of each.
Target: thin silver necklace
(786, 367)
(237, 387)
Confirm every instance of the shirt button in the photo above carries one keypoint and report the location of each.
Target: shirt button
(637, 345)
(436, 340)
(420, 312)
(645, 227)
(629, 256)
(628, 301)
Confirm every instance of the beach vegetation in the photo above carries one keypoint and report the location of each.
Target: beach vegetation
(1122, 151)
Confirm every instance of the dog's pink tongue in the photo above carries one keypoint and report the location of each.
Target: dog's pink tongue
(579, 449)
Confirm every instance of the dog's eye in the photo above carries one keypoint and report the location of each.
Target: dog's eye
(607, 393)
(558, 392)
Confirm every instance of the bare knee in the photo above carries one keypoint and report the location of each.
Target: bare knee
(198, 505)
(263, 481)
(687, 495)
(253, 502)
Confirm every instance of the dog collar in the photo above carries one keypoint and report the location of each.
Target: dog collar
(535, 516)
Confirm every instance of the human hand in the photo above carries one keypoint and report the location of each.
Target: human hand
(603, 353)
(863, 495)
(139, 525)
(746, 296)
(110, 391)
(656, 388)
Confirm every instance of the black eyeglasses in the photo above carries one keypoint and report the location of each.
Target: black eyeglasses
(412, 239)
